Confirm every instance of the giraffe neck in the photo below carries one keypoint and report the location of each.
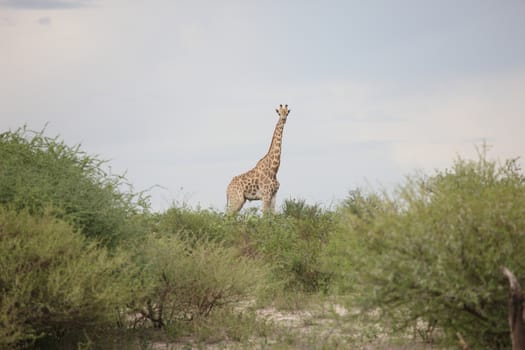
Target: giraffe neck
(272, 160)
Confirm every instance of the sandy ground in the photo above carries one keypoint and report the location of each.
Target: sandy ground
(321, 327)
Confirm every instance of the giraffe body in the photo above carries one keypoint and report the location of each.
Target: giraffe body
(260, 183)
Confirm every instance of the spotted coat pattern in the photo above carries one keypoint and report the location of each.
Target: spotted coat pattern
(260, 183)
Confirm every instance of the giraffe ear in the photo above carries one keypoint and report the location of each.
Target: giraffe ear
(277, 111)
(288, 111)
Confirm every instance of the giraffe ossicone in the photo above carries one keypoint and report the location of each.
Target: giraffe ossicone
(260, 183)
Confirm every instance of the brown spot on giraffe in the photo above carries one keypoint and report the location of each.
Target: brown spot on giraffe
(260, 183)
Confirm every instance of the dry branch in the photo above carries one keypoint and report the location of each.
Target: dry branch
(517, 330)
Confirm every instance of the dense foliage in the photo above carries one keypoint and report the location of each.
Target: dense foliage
(432, 253)
(52, 279)
(293, 242)
(37, 171)
(185, 280)
(80, 252)
(290, 242)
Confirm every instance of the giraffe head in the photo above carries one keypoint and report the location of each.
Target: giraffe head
(283, 111)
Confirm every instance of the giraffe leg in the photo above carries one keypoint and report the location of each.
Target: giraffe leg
(272, 203)
(267, 205)
(235, 203)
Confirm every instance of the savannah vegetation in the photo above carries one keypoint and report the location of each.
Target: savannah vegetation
(85, 263)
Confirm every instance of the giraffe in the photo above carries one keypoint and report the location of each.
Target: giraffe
(260, 183)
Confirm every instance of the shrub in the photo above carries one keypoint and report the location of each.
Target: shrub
(289, 242)
(433, 253)
(195, 224)
(37, 171)
(292, 242)
(53, 281)
(345, 255)
(185, 280)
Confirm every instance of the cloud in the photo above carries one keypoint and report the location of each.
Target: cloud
(44, 21)
(182, 89)
(6, 22)
(455, 119)
(44, 4)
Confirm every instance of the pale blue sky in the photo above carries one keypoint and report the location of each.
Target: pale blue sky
(182, 94)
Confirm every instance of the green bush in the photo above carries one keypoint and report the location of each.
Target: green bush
(195, 224)
(291, 243)
(37, 171)
(432, 254)
(185, 280)
(345, 255)
(54, 281)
